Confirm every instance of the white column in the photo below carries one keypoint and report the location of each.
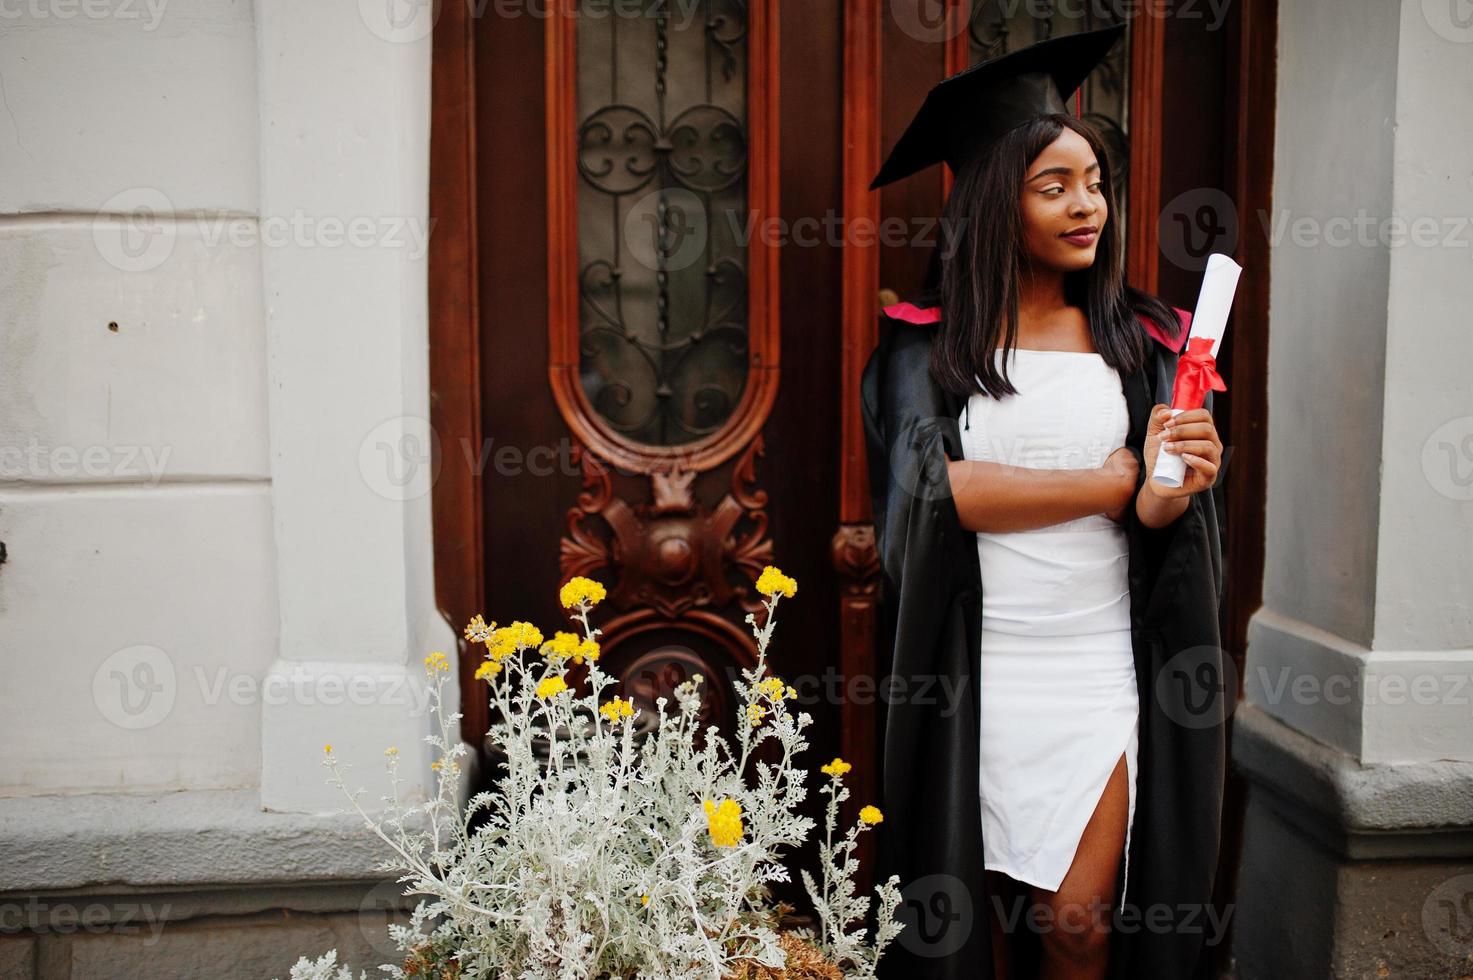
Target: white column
(344, 189)
(1365, 640)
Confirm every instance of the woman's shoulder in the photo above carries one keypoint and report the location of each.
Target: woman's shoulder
(907, 334)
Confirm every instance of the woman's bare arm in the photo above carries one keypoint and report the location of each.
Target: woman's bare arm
(999, 497)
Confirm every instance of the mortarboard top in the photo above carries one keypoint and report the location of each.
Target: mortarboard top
(965, 111)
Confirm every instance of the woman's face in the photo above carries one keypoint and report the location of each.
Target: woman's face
(1062, 194)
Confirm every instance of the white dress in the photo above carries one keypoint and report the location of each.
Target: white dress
(1057, 677)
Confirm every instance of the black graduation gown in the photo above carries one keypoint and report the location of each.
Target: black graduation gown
(931, 625)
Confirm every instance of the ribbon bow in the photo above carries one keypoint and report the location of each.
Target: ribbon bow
(1196, 374)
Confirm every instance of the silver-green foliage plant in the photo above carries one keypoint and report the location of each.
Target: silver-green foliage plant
(597, 855)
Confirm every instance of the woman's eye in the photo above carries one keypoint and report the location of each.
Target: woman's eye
(1096, 186)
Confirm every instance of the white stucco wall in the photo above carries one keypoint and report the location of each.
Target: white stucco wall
(135, 503)
(212, 222)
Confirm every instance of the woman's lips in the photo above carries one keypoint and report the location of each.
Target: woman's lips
(1082, 239)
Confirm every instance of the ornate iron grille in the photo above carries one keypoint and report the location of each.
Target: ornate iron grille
(662, 217)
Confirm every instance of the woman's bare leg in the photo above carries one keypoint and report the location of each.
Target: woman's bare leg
(1003, 896)
(1076, 943)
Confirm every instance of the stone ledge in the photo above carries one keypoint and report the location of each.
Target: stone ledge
(195, 837)
(1421, 809)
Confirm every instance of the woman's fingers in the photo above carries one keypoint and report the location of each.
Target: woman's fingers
(1192, 430)
(1202, 465)
(1189, 416)
(1199, 447)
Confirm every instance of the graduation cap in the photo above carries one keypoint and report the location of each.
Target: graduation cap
(966, 111)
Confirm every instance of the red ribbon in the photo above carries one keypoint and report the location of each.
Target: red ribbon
(1196, 374)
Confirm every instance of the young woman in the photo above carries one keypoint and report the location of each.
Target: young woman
(1015, 410)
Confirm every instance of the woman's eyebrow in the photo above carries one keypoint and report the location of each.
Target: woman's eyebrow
(1062, 170)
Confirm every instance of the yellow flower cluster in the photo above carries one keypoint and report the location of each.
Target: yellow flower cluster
(774, 688)
(488, 670)
(509, 639)
(436, 661)
(569, 646)
(772, 581)
(755, 713)
(724, 822)
(836, 768)
(391, 751)
(581, 591)
(477, 631)
(871, 815)
(549, 686)
(617, 708)
(327, 749)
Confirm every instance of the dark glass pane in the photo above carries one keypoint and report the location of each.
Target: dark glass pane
(662, 215)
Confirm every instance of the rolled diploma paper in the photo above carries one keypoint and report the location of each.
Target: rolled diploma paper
(1214, 302)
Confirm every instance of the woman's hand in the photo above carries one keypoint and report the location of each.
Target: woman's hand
(1193, 435)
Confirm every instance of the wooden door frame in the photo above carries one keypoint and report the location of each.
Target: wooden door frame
(457, 497)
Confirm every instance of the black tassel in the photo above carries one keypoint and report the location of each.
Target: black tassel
(967, 415)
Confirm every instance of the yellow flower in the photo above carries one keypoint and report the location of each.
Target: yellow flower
(587, 649)
(327, 749)
(617, 708)
(580, 591)
(562, 646)
(488, 670)
(871, 815)
(644, 899)
(391, 751)
(509, 639)
(774, 688)
(755, 714)
(772, 581)
(477, 631)
(436, 661)
(550, 686)
(435, 765)
(790, 694)
(836, 768)
(724, 822)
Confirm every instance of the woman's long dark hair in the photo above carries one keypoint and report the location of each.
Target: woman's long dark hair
(977, 284)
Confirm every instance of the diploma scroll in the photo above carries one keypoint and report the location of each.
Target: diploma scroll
(1196, 368)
